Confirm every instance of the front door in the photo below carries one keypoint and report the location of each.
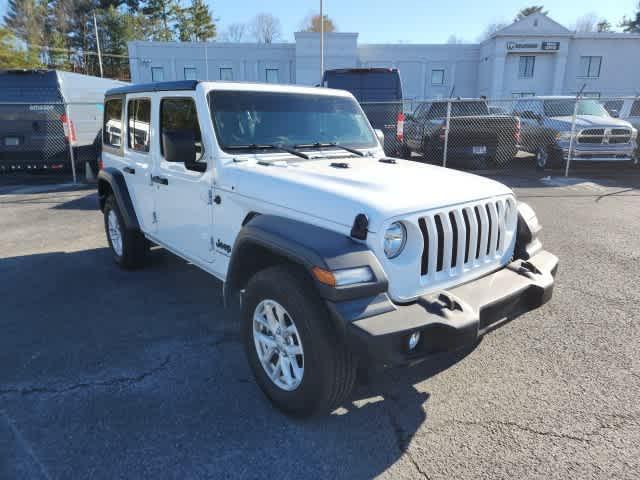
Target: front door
(183, 199)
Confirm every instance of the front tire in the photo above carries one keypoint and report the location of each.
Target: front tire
(295, 354)
(128, 247)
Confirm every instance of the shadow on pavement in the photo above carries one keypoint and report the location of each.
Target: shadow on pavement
(138, 374)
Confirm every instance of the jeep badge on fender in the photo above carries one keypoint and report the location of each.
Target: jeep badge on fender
(339, 256)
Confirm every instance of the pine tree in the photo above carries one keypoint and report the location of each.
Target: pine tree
(632, 25)
(25, 20)
(194, 23)
(162, 15)
(10, 55)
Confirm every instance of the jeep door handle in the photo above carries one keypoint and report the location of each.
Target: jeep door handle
(130, 170)
(160, 180)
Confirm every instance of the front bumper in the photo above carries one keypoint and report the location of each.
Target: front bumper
(378, 330)
(596, 152)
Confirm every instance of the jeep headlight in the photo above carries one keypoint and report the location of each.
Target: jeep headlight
(395, 238)
(563, 136)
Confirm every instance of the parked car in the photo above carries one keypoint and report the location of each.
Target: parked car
(477, 138)
(379, 91)
(547, 126)
(627, 109)
(337, 255)
(40, 110)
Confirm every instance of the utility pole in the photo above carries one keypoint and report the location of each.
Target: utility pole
(95, 27)
(321, 43)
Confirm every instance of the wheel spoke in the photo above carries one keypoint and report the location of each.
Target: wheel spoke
(266, 340)
(293, 349)
(285, 367)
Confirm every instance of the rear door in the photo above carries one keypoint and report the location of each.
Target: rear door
(184, 198)
(137, 161)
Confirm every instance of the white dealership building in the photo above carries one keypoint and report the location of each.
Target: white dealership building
(534, 56)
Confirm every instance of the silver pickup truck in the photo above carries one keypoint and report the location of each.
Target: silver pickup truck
(546, 126)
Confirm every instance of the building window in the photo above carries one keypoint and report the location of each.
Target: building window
(527, 65)
(190, 73)
(590, 67)
(523, 94)
(271, 75)
(437, 77)
(138, 124)
(157, 74)
(226, 74)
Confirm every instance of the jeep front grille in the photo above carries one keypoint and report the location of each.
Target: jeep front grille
(604, 135)
(460, 239)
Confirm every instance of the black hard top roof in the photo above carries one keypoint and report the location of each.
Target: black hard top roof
(154, 87)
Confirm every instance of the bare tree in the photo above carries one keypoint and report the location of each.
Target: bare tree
(587, 23)
(454, 40)
(234, 33)
(604, 26)
(490, 30)
(312, 23)
(265, 28)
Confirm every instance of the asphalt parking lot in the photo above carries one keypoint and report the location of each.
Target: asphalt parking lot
(113, 374)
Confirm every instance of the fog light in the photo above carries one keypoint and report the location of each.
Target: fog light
(413, 340)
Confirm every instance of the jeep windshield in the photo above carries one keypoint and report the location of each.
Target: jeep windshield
(564, 108)
(249, 120)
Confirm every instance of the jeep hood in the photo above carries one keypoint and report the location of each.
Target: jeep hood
(589, 121)
(379, 190)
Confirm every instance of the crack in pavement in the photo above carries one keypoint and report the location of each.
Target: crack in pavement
(77, 386)
(400, 435)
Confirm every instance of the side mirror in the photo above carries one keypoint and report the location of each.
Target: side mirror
(614, 113)
(180, 146)
(380, 135)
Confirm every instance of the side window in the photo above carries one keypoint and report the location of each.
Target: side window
(112, 126)
(613, 106)
(138, 124)
(179, 114)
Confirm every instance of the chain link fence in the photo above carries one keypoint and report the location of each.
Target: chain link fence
(553, 134)
(556, 134)
(61, 138)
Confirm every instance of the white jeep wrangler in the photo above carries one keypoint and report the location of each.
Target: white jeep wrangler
(337, 255)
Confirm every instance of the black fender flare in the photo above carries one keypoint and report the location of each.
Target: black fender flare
(118, 186)
(307, 246)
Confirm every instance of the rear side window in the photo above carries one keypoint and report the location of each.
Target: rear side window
(138, 123)
(635, 109)
(180, 114)
(112, 127)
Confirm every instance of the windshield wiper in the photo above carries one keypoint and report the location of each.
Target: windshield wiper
(256, 146)
(326, 145)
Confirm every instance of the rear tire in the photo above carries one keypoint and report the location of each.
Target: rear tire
(325, 368)
(128, 247)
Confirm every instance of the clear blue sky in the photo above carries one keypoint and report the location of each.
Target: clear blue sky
(414, 21)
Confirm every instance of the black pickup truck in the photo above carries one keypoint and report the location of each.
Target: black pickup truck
(477, 139)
